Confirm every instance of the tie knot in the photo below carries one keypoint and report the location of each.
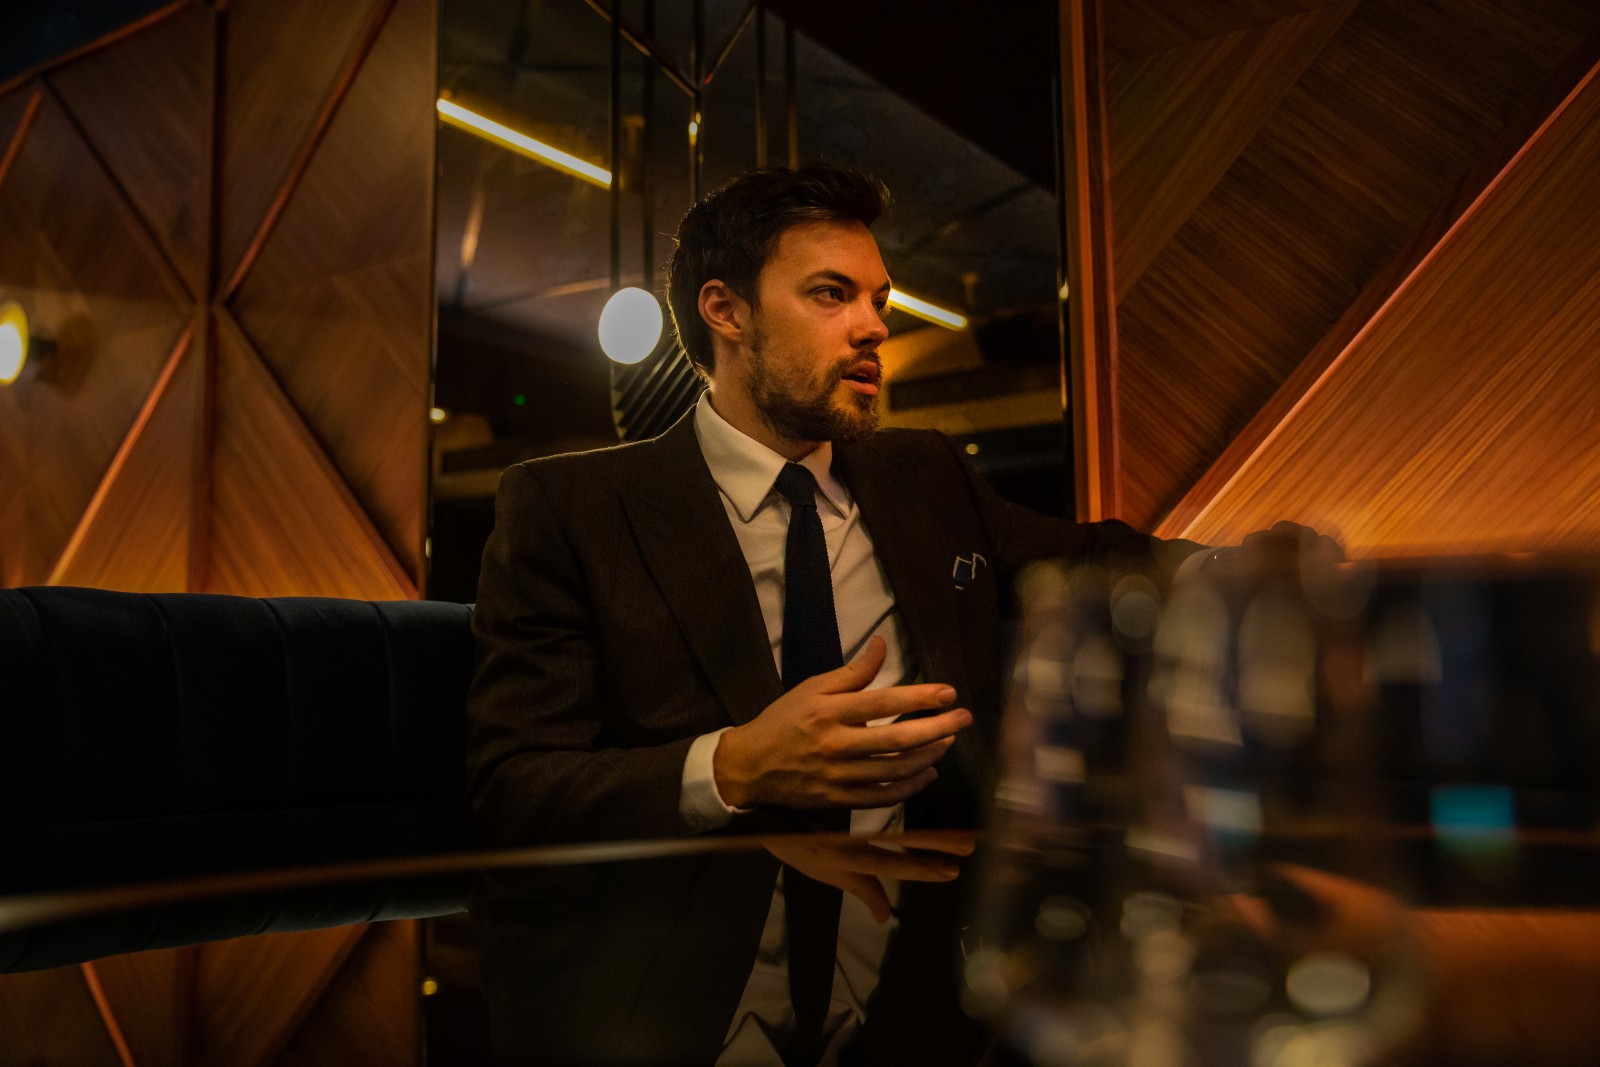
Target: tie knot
(798, 486)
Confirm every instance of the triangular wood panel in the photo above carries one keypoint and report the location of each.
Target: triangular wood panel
(368, 1016)
(135, 534)
(283, 60)
(71, 252)
(1138, 28)
(12, 107)
(162, 160)
(1180, 117)
(338, 301)
(49, 1017)
(256, 991)
(283, 523)
(1353, 162)
(150, 997)
(1463, 418)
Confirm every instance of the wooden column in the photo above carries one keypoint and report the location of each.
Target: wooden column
(1091, 308)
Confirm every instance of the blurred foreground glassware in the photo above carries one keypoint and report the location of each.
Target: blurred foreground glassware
(1181, 769)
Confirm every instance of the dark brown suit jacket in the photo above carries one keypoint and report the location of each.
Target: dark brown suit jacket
(616, 622)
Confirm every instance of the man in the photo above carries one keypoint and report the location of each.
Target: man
(629, 616)
(640, 672)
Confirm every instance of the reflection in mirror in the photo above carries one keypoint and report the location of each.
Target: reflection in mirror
(546, 207)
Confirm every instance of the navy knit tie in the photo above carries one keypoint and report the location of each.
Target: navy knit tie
(810, 646)
(810, 629)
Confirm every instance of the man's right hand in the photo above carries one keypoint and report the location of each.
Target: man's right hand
(811, 748)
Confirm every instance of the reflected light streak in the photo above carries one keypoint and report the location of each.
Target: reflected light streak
(933, 313)
(462, 118)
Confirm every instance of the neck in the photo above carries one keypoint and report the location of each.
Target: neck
(739, 411)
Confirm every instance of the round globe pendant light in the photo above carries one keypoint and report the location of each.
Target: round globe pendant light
(630, 325)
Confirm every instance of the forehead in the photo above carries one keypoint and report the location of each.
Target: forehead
(836, 246)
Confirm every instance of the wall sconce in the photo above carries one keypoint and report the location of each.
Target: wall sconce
(17, 345)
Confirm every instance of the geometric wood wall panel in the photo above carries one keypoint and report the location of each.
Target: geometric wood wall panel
(12, 107)
(1387, 119)
(49, 1017)
(151, 999)
(345, 996)
(1182, 116)
(282, 521)
(1463, 418)
(260, 989)
(152, 178)
(1136, 28)
(161, 160)
(146, 496)
(71, 252)
(282, 62)
(331, 301)
(369, 1015)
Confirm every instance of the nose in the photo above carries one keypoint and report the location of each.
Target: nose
(870, 329)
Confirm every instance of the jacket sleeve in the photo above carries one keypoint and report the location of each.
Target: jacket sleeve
(537, 768)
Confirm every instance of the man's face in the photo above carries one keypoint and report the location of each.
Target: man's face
(815, 331)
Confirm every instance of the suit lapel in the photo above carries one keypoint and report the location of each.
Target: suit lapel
(908, 540)
(905, 538)
(684, 537)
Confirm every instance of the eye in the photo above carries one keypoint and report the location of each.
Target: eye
(831, 292)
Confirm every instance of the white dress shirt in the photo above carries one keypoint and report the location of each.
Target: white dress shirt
(745, 472)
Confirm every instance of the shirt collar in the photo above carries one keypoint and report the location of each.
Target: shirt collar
(745, 469)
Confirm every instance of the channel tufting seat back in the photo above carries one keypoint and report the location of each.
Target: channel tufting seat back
(148, 736)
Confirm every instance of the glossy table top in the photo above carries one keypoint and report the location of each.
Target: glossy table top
(1342, 943)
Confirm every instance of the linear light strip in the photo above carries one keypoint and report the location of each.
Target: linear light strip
(923, 310)
(521, 143)
(469, 120)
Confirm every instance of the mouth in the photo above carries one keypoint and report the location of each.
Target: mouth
(864, 376)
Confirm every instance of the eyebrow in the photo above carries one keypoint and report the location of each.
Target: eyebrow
(842, 279)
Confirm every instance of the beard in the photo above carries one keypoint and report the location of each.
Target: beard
(799, 414)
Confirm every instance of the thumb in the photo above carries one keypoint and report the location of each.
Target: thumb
(858, 673)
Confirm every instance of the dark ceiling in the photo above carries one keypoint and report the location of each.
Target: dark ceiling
(951, 107)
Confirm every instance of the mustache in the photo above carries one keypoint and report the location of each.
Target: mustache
(850, 363)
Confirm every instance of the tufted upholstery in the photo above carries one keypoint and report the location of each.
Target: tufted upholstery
(161, 735)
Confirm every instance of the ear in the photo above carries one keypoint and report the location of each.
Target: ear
(725, 312)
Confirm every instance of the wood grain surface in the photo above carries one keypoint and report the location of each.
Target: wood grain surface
(144, 498)
(337, 301)
(1463, 419)
(70, 251)
(1352, 161)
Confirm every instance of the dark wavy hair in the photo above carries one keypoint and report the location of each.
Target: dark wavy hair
(732, 232)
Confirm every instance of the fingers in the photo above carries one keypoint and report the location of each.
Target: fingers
(893, 768)
(860, 708)
(880, 794)
(904, 736)
(855, 675)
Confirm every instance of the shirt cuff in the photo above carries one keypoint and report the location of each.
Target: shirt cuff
(700, 806)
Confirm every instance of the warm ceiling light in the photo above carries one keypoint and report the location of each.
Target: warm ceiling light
(630, 325)
(924, 310)
(13, 341)
(521, 143)
(437, 415)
